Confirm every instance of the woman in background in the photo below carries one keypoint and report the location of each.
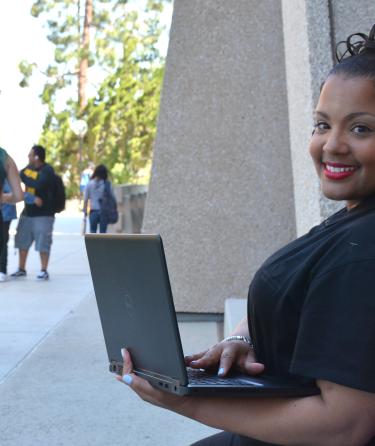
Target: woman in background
(94, 193)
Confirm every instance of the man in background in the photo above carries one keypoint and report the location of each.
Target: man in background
(37, 219)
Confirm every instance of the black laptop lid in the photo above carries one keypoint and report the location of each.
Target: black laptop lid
(133, 292)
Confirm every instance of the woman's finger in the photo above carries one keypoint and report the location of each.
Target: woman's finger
(253, 368)
(194, 357)
(209, 360)
(128, 364)
(227, 359)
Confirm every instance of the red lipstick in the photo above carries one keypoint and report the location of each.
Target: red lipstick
(338, 171)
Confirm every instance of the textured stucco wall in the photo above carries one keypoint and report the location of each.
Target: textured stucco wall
(350, 16)
(221, 192)
(232, 179)
(308, 59)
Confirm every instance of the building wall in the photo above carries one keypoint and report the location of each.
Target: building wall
(232, 180)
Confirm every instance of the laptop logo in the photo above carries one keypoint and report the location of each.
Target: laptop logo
(129, 305)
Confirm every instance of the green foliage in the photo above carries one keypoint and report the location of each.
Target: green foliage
(121, 115)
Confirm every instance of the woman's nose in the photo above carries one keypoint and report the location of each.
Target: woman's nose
(335, 143)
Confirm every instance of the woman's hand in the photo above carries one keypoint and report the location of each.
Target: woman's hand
(225, 356)
(149, 393)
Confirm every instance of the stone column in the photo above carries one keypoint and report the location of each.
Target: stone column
(221, 192)
(308, 59)
(232, 179)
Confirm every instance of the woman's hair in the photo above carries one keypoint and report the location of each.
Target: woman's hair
(356, 56)
(100, 172)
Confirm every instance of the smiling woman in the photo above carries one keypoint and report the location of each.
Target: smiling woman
(343, 144)
(311, 306)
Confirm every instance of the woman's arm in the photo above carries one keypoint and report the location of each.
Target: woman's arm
(340, 416)
(14, 181)
(242, 328)
(86, 197)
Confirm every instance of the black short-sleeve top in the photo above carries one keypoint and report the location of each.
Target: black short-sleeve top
(311, 305)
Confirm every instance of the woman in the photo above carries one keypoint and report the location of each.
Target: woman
(8, 171)
(312, 303)
(94, 193)
(9, 213)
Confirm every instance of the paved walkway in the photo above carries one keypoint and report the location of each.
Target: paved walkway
(55, 389)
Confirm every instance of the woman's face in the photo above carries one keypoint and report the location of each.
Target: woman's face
(343, 144)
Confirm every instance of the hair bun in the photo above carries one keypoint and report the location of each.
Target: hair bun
(355, 44)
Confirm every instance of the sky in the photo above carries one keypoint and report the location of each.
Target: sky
(22, 37)
(21, 113)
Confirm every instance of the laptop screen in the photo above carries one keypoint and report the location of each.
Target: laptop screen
(135, 303)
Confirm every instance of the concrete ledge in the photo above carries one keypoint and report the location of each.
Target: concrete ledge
(234, 310)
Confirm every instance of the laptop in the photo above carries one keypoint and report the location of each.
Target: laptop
(135, 303)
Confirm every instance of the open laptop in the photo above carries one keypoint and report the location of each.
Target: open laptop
(136, 309)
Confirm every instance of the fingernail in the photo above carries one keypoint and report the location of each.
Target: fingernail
(127, 379)
(221, 371)
(122, 353)
(193, 362)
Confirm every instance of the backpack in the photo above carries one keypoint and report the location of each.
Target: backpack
(59, 195)
(108, 205)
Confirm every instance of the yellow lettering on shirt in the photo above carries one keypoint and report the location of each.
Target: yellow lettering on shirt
(31, 173)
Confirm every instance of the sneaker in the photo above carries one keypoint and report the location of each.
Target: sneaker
(43, 275)
(3, 277)
(19, 273)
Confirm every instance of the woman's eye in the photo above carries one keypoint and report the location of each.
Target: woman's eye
(360, 129)
(320, 126)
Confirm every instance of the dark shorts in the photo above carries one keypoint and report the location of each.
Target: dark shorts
(34, 229)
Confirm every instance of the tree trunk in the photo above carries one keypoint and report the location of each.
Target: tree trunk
(84, 56)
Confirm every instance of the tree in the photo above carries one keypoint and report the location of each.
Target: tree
(116, 46)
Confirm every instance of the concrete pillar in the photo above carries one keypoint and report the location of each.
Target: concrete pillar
(221, 192)
(232, 179)
(350, 16)
(308, 59)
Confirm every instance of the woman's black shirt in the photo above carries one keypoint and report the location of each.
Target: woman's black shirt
(312, 304)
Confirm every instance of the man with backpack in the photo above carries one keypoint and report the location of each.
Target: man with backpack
(44, 196)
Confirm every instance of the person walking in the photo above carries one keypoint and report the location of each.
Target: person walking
(9, 213)
(12, 194)
(38, 216)
(95, 191)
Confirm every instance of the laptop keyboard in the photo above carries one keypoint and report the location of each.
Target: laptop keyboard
(201, 377)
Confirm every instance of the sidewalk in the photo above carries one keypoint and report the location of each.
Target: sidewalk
(55, 388)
